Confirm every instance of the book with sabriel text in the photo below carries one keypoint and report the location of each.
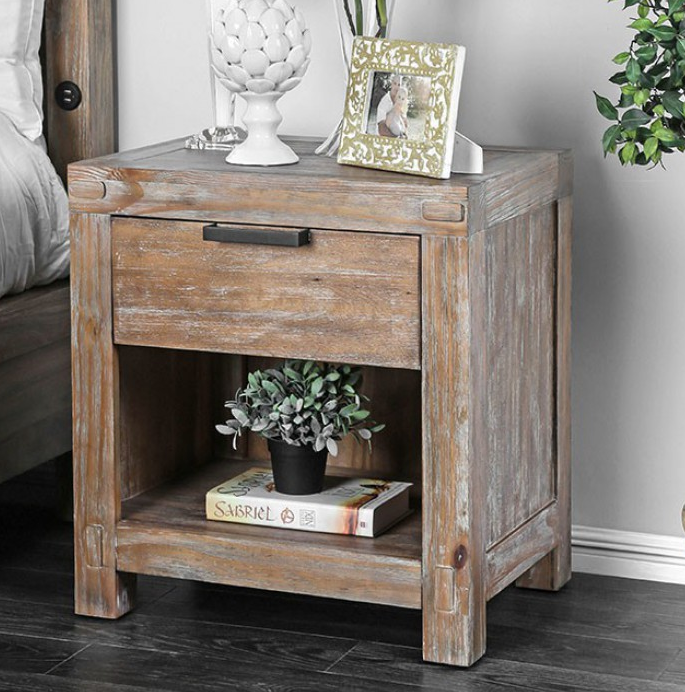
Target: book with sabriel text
(352, 506)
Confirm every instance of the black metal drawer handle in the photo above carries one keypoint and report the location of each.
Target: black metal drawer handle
(256, 236)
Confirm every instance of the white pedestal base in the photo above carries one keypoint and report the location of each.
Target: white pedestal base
(262, 146)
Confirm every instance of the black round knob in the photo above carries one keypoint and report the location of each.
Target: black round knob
(68, 96)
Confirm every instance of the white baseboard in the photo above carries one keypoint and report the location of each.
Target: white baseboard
(626, 554)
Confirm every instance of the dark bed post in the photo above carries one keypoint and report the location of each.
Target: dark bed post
(79, 48)
(35, 348)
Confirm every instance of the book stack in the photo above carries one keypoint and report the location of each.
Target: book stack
(351, 506)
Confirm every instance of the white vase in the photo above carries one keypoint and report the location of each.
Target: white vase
(331, 144)
(262, 146)
(260, 50)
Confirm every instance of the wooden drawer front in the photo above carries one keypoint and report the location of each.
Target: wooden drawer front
(346, 297)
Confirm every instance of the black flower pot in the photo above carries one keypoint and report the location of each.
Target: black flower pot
(297, 470)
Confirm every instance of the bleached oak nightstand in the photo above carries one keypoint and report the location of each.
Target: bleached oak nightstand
(455, 296)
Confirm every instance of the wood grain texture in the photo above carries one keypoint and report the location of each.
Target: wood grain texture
(30, 682)
(33, 655)
(675, 672)
(460, 296)
(187, 638)
(522, 549)
(34, 326)
(174, 673)
(346, 297)
(554, 571)
(165, 414)
(600, 633)
(168, 181)
(454, 579)
(35, 408)
(316, 189)
(34, 319)
(513, 271)
(165, 532)
(35, 378)
(216, 603)
(522, 186)
(520, 660)
(228, 373)
(100, 589)
(639, 612)
(79, 48)
(526, 180)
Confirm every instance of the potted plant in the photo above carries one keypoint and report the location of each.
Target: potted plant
(649, 117)
(303, 409)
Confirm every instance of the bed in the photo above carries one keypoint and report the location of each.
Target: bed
(35, 361)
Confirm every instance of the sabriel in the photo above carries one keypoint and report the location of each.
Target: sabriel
(221, 509)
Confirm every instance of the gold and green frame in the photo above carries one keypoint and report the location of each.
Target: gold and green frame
(432, 156)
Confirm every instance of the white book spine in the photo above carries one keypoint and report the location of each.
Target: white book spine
(367, 513)
(291, 514)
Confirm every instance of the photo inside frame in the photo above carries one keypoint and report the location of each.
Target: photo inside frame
(398, 105)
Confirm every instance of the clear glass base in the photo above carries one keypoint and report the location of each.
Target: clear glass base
(330, 146)
(217, 139)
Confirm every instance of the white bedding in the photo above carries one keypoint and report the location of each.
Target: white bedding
(34, 215)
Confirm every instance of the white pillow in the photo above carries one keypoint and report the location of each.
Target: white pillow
(34, 215)
(21, 86)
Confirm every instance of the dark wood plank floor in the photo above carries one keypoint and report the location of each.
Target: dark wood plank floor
(599, 634)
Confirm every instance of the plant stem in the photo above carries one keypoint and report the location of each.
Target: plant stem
(382, 15)
(360, 17)
(348, 13)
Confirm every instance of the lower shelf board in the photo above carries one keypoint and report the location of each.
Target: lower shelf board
(164, 532)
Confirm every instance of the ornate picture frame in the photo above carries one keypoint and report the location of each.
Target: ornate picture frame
(411, 127)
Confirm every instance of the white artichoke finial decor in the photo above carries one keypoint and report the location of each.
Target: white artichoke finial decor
(260, 50)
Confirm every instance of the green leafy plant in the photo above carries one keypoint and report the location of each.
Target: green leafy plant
(302, 403)
(356, 19)
(649, 117)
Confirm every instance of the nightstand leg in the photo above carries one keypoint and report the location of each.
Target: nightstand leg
(554, 570)
(99, 589)
(454, 594)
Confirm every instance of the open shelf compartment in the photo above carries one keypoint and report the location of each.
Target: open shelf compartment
(164, 532)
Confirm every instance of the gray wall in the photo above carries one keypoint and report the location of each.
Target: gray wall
(531, 68)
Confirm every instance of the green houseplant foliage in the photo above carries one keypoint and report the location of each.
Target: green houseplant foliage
(649, 117)
(302, 403)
